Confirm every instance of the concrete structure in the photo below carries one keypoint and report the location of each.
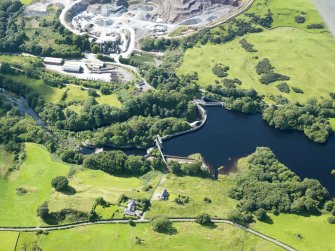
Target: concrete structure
(54, 61)
(130, 209)
(164, 195)
(72, 67)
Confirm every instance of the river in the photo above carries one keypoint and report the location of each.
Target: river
(229, 135)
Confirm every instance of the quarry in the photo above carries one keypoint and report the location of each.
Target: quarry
(116, 26)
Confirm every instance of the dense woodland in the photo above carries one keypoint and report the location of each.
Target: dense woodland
(265, 183)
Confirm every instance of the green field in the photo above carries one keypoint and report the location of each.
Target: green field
(26, 2)
(6, 161)
(8, 241)
(302, 55)
(37, 85)
(316, 232)
(35, 176)
(189, 236)
(196, 189)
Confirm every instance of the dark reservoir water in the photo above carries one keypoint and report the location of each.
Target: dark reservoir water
(230, 135)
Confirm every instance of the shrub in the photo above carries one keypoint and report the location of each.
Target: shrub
(271, 77)
(264, 66)
(297, 90)
(299, 19)
(283, 87)
(235, 216)
(182, 200)
(332, 95)
(161, 225)
(207, 200)
(247, 46)
(60, 183)
(105, 90)
(315, 26)
(203, 219)
(43, 210)
(331, 220)
(220, 71)
(260, 214)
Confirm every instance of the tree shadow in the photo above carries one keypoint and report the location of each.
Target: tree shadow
(210, 225)
(51, 220)
(268, 220)
(171, 231)
(68, 190)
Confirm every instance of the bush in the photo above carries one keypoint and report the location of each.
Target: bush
(299, 19)
(247, 46)
(235, 216)
(220, 71)
(43, 210)
(297, 90)
(105, 90)
(315, 26)
(263, 66)
(283, 87)
(161, 225)
(182, 200)
(203, 219)
(207, 200)
(331, 220)
(60, 183)
(271, 77)
(260, 214)
(332, 95)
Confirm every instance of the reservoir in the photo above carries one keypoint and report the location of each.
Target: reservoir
(229, 135)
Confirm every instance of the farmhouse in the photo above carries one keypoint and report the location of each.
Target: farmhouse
(130, 209)
(54, 61)
(72, 67)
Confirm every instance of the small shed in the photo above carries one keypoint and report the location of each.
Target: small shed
(164, 195)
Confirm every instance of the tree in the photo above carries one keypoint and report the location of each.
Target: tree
(260, 214)
(236, 216)
(203, 219)
(43, 210)
(161, 225)
(60, 183)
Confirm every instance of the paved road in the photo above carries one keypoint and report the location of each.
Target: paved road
(69, 226)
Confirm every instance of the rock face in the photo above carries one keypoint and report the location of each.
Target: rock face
(176, 10)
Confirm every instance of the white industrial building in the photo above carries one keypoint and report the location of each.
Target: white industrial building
(72, 67)
(55, 61)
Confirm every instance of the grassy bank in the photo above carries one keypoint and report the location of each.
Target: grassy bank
(303, 233)
(196, 189)
(35, 176)
(189, 236)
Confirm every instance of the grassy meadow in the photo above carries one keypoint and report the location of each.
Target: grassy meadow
(123, 237)
(196, 189)
(35, 176)
(315, 232)
(302, 55)
(8, 241)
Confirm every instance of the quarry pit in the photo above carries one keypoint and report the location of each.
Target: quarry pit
(117, 25)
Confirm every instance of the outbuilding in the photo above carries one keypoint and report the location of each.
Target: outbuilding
(72, 67)
(164, 195)
(54, 61)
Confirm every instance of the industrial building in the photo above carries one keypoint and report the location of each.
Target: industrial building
(72, 67)
(54, 61)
